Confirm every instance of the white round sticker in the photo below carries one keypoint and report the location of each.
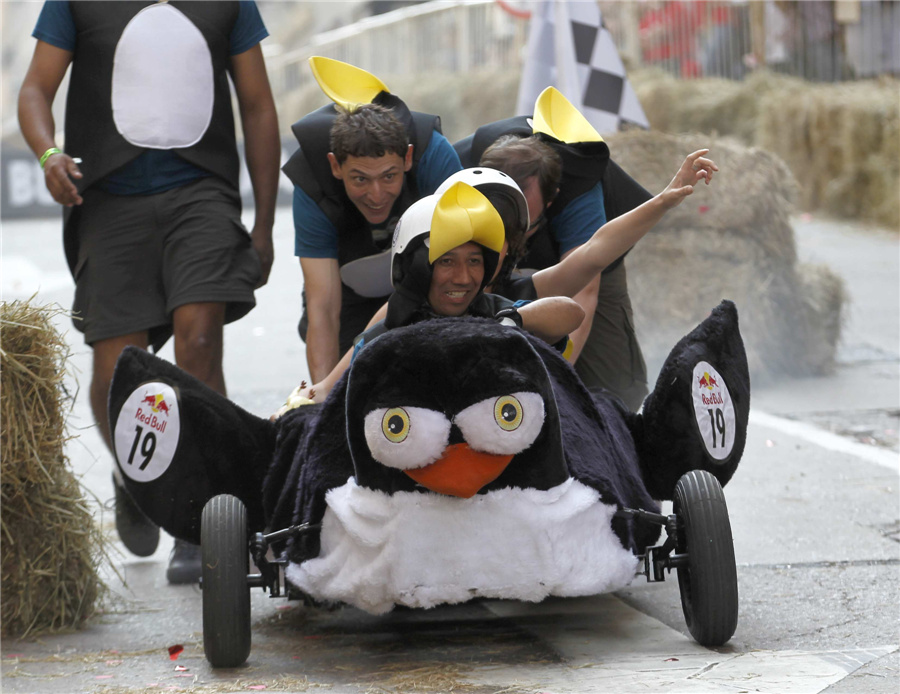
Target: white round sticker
(714, 410)
(147, 431)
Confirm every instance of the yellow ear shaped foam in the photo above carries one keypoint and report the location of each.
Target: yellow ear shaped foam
(346, 85)
(554, 115)
(463, 215)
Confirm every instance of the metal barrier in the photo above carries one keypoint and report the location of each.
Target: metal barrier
(452, 37)
(814, 39)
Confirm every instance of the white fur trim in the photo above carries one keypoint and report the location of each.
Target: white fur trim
(424, 549)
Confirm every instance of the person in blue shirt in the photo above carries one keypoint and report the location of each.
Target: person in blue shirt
(362, 161)
(149, 183)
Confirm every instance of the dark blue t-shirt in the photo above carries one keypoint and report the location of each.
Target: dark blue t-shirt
(155, 170)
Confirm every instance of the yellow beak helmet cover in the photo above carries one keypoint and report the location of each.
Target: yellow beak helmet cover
(346, 85)
(462, 215)
(554, 115)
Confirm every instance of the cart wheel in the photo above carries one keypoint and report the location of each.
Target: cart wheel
(708, 582)
(226, 594)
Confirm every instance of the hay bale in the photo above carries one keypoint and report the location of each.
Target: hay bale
(51, 547)
(730, 240)
(754, 191)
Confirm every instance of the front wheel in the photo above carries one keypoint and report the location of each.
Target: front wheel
(226, 593)
(708, 581)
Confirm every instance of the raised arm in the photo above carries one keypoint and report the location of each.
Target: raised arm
(583, 264)
(259, 121)
(45, 73)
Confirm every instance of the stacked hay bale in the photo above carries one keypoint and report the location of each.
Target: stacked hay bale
(841, 141)
(843, 144)
(730, 240)
(50, 546)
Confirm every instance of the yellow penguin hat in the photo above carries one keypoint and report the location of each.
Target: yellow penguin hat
(463, 214)
(554, 115)
(346, 85)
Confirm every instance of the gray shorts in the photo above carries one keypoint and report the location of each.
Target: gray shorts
(142, 256)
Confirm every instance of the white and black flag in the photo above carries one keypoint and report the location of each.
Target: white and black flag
(570, 49)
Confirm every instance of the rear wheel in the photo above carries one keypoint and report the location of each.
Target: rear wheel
(226, 593)
(708, 581)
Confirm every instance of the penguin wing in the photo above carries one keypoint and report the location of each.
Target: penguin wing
(178, 443)
(696, 416)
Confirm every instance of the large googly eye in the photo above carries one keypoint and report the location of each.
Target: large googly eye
(406, 437)
(503, 425)
(395, 425)
(508, 413)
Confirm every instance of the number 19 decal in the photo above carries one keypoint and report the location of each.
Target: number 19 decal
(147, 431)
(714, 410)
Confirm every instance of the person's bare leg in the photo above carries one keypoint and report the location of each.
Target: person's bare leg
(198, 330)
(138, 533)
(106, 352)
(199, 342)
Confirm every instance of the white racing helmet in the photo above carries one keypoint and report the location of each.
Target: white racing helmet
(440, 222)
(503, 192)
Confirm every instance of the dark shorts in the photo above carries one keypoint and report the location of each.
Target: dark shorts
(141, 257)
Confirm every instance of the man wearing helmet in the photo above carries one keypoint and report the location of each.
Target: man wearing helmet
(446, 271)
(446, 250)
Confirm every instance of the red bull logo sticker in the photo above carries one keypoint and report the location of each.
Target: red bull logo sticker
(714, 410)
(147, 431)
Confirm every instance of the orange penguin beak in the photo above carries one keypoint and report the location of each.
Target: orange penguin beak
(461, 471)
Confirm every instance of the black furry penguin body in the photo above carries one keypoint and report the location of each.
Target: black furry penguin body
(560, 461)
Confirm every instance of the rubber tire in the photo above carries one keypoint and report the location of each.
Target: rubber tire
(708, 584)
(225, 550)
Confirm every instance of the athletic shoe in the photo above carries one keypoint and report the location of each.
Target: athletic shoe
(137, 532)
(185, 564)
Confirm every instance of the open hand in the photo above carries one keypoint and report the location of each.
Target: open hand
(696, 167)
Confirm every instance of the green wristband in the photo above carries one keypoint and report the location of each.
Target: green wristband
(49, 153)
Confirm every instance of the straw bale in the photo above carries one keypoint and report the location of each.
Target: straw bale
(50, 548)
(754, 190)
(740, 248)
(842, 143)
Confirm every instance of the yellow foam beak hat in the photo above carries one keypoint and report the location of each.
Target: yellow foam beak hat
(346, 85)
(554, 115)
(463, 215)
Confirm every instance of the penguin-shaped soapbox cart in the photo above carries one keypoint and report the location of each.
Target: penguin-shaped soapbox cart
(456, 459)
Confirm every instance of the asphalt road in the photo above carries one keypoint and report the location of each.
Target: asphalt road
(813, 507)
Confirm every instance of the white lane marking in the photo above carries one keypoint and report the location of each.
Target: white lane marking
(826, 439)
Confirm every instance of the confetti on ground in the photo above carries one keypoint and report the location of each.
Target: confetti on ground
(180, 668)
(175, 651)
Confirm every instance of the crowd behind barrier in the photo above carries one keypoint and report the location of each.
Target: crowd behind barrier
(818, 40)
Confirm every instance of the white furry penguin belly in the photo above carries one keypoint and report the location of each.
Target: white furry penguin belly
(421, 549)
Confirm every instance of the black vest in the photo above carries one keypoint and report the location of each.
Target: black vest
(309, 169)
(91, 133)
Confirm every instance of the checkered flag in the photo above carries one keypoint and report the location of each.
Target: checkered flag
(570, 49)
